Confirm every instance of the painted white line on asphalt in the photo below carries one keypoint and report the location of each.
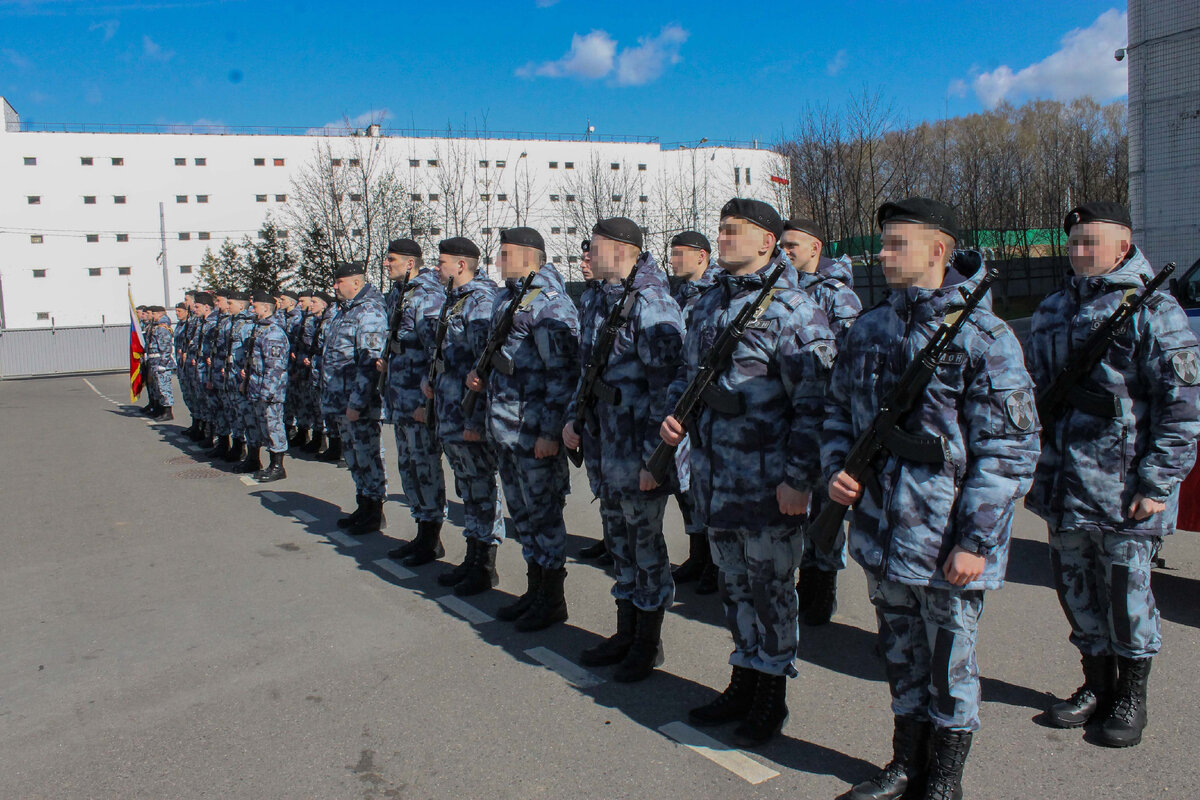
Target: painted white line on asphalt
(272, 497)
(304, 516)
(342, 539)
(464, 609)
(720, 754)
(246, 479)
(387, 565)
(94, 389)
(569, 670)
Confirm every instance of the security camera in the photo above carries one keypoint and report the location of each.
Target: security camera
(1120, 54)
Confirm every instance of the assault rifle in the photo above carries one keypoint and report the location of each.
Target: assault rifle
(392, 345)
(435, 363)
(483, 366)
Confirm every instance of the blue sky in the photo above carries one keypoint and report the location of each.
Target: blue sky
(673, 70)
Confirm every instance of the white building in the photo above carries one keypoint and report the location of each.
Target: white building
(80, 220)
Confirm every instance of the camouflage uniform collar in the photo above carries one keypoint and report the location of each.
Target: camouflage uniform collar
(1133, 273)
(735, 284)
(964, 272)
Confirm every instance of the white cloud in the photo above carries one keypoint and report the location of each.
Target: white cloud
(1082, 66)
(154, 51)
(645, 62)
(338, 127)
(590, 56)
(545, 3)
(109, 27)
(16, 59)
(837, 63)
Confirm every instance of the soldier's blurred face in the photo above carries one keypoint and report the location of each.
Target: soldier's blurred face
(181, 314)
(688, 263)
(346, 288)
(455, 269)
(285, 302)
(201, 309)
(263, 310)
(1097, 248)
(220, 304)
(317, 306)
(913, 254)
(743, 245)
(517, 261)
(305, 303)
(611, 260)
(398, 266)
(234, 306)
(802, 249)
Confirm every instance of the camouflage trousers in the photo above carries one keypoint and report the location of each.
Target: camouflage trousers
(361, 449)
(419, 461)
(269, 428)
(1103, 583)
(758, 593)
(536, 491)
(691, 525)
(243, 422)
(184, 375)
(221, 408)
(475, 481)
(633, 530)
(163, 387)
(308, 411)
(927, 636)
(832, 561)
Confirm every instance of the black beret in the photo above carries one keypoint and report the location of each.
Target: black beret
(525, 237)
(288, 293)
(405, 247)
(922, 210)
(619, 229)
(805, 225)
(756, 211)
(458, 246)
(1098, 212)
(344, 269)
(691, 239)
(181, 305)
(323, 296)
(235, 295)
(304, 294)
(263, 297)
(156, 309)
(190, 293)
(204, 298)
(143, 308)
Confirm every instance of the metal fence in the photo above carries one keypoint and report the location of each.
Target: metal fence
(29, 352)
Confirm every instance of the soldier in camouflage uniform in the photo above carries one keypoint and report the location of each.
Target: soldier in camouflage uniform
(527, 396)
(695, 271)
(353, 341)
(599, 550)
(298, 385)
(752, 471)
(932, 527)
(641, 364)
(243, 420)
(830, 282)
(152, 407)
(198, 368)
(178, 338)
(288, 315)
(1112, 463)
(412, 321)
(160, 361)
(309, 359)
(466, 317)
(216, 346)
(266, 380)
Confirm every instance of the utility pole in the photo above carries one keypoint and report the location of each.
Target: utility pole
(162, 255)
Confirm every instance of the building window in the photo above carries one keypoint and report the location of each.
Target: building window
(200, 162)
(558, 259)
(614, 165)
(260, 198)
(483, 163)
(433, 198)
(89, 199)
(283, 234)
(414, 162)
(260, 162)
(355, 197)
(356, 232)
(572, 259)
(85, 161)
(185, 269)
(570, 165)
(644, 199)
(122, 237)
(279, 162)
(36, 238)
(122, 270)
(556, 230)
(747, 175)
(336, 162)
(641, 167)
(485, 197)
(354, 162)
(433, 162)
(203, 236)
(487, 231)
(502, 198)
(645, 231)
(571, 231)
(416, 198)
(487, 260)
(39, 273)
(181, 198)
(119, 199)
(553, 198)
(31, 161)
(435, 231)
(501, 164)
(43, 315)
(93, 272)
(185, 236)
(92, 238)
(553, 165)
(118, 161)
(570, 198)
(282, 198)
(181, 162)
(34, 199)
(616, 198)
(201, 198)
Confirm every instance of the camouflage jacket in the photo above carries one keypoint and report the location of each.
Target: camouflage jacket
(267, 364)
(354, 339)
(779, 369)
(980, 401)
(410, 350)
(1092, 466)
(179, 340)
(537, 367)
(644, 359)
(160, 346)
(589, 447)
(318, 343)
(212, 349)
(195, 347)
(832, 286)
(467, 322)
(686, 293)
(240, 330)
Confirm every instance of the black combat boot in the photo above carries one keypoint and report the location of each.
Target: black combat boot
(1127, 720)
(906, 770)
(482, 575)
(456, 574)
(253, 462)
(299, 438)
(221, 449)
(350, 519)
(372, 518)
(206, 439)
(533, 585)
(768, 712)
(165, 414)
(732, 704)
(403, 551)
(699, 556)
(593, 550)
(1092, 699)
(237, 451)
(947, 756)
(274, 471)
(333, 453)
(550, 605)
(824, 598)
(192, 431)
(709, 580)
(314, 445)
(805, 586)
(614, 649)
(427, 546)
(646, 652)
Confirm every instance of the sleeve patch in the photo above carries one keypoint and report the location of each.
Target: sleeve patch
(1020, 409)
(1186, 366)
